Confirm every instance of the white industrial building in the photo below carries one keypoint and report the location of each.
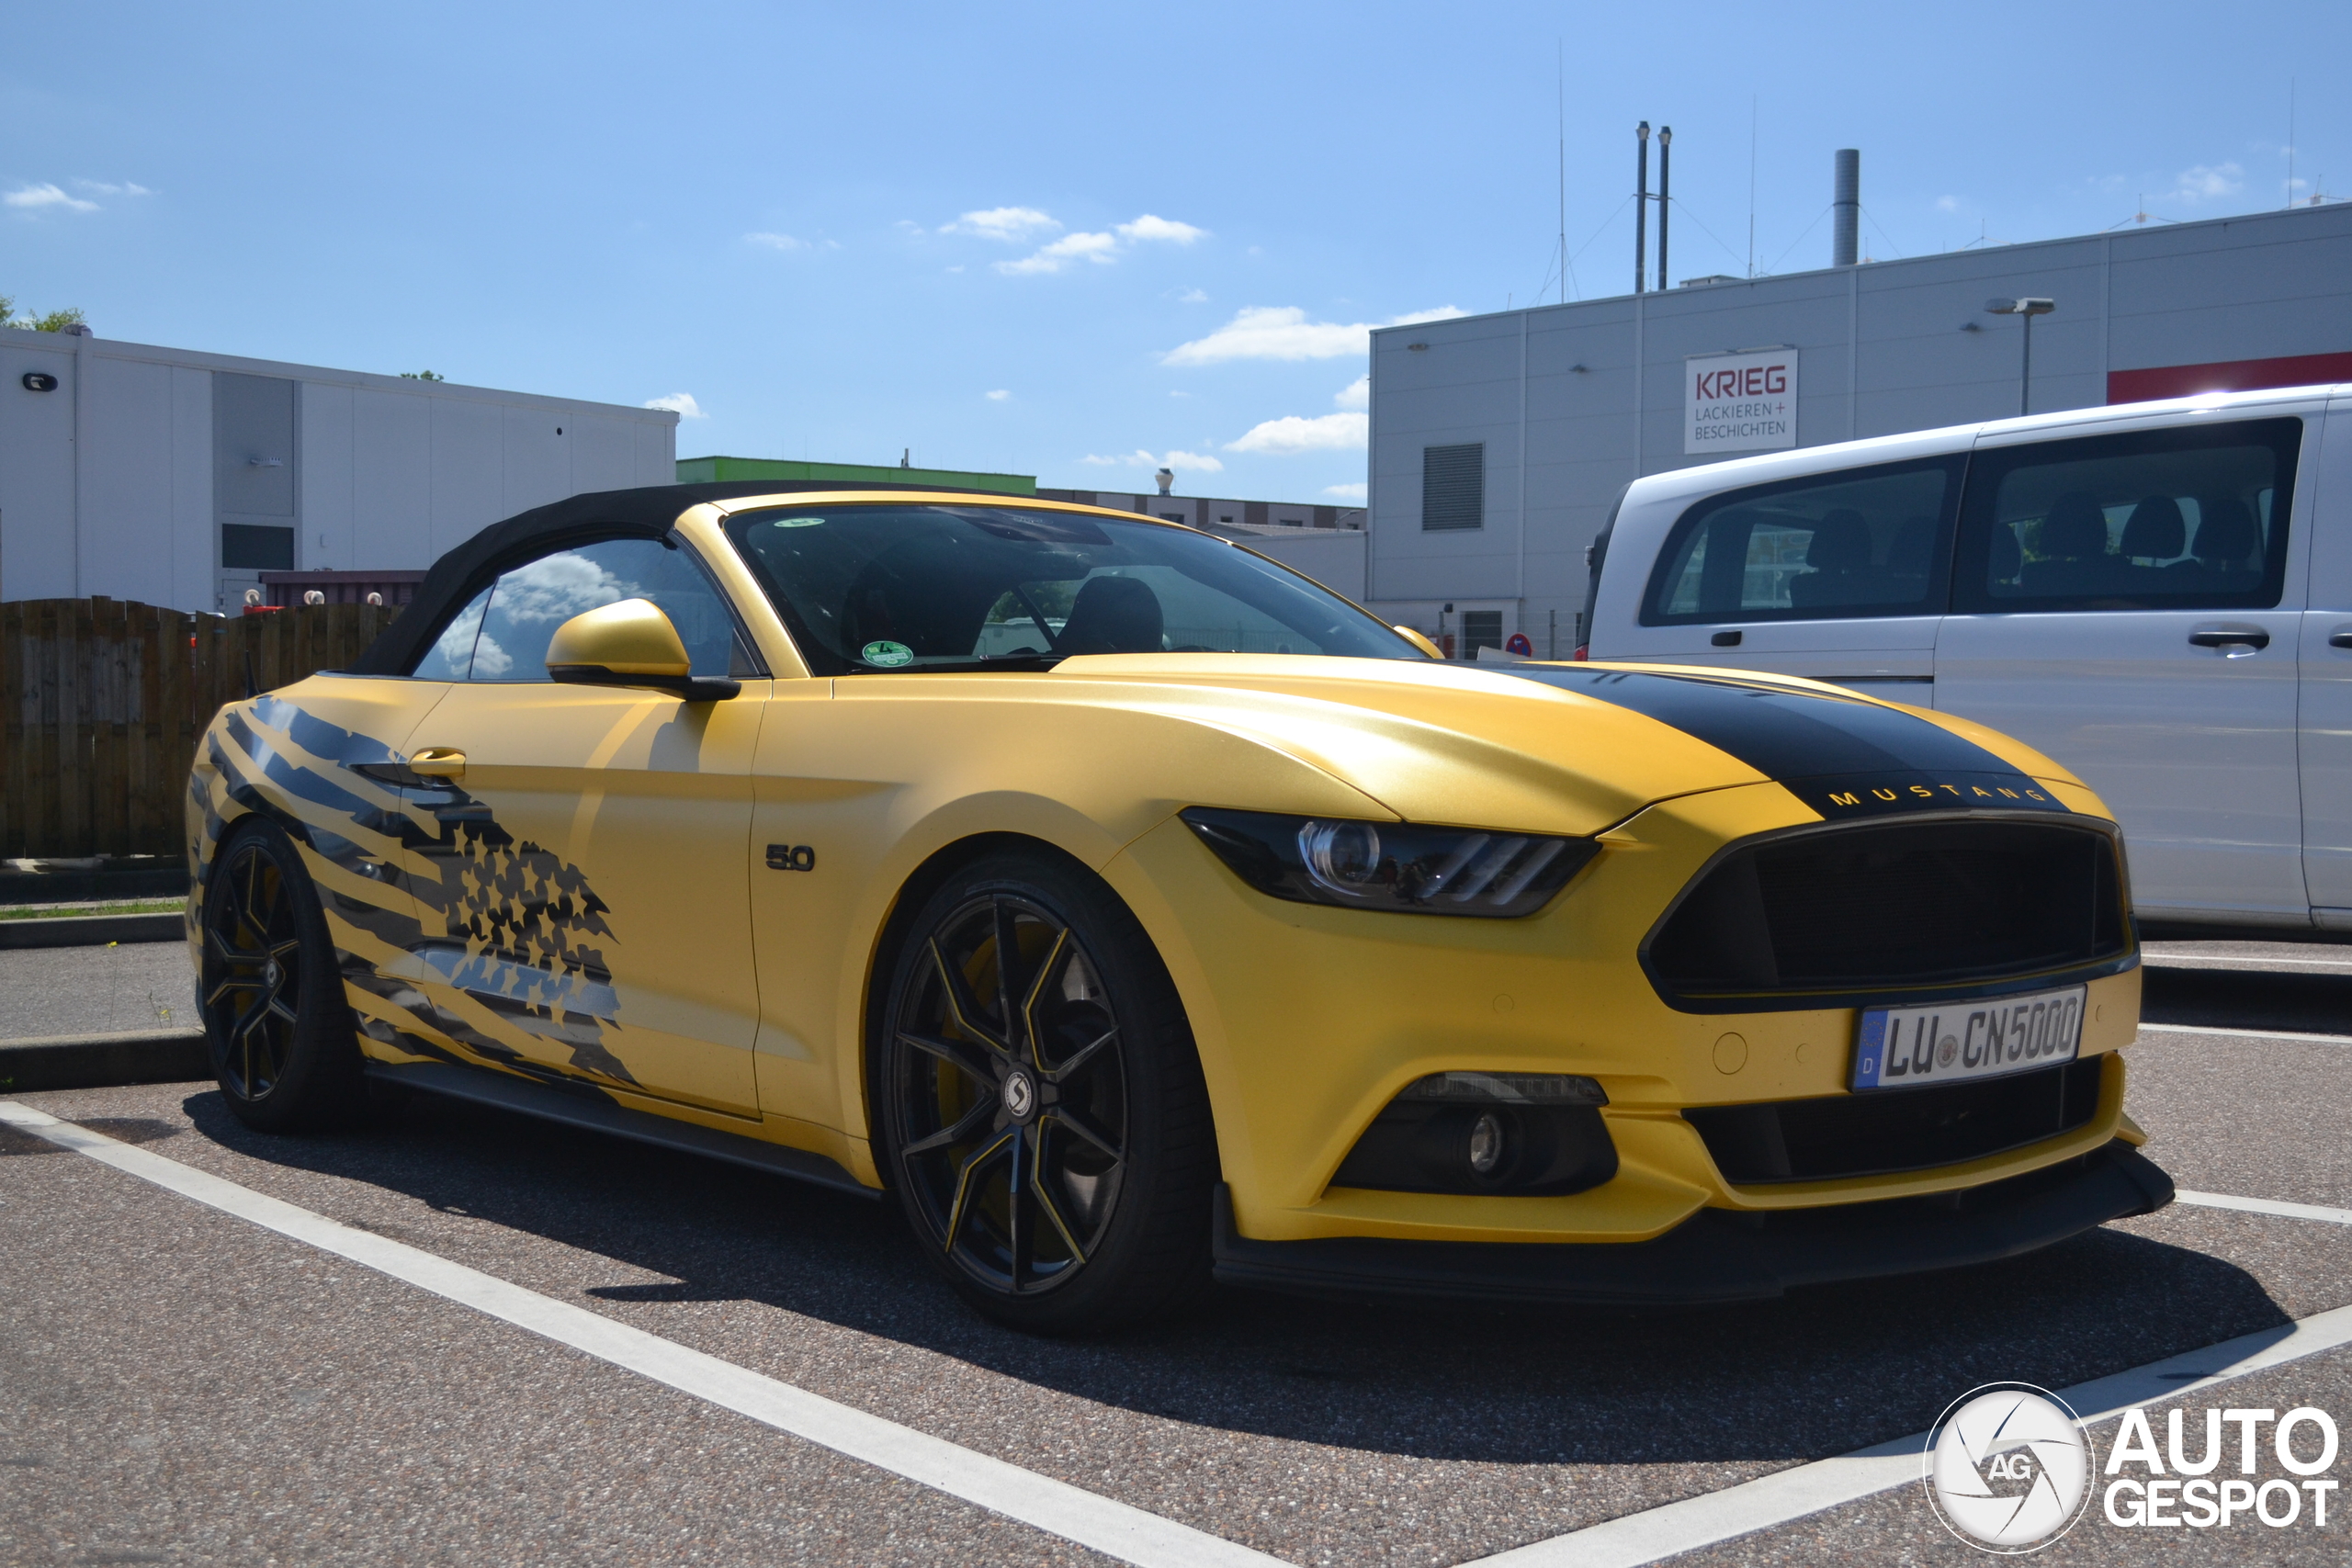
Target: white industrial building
(178, 478)
(1499, 441)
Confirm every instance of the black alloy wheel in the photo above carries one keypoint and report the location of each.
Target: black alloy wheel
(1042, 1110)
(275, 1021)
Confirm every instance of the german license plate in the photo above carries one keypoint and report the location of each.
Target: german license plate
(1918, 1048)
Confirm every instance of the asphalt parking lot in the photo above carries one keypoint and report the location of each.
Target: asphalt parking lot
(184, 1384)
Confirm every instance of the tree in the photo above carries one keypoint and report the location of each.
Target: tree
(421, 376)
(54, 322)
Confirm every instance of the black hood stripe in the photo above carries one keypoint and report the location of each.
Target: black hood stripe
(1843, 757)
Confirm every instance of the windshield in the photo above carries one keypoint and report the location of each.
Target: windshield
(878, 588)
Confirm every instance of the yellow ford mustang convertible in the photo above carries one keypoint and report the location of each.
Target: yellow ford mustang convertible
(1137, 911)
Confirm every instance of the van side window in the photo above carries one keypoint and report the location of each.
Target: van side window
(2190, 518)
(1860, 542)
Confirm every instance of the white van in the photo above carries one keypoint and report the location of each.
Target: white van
(2159, 595)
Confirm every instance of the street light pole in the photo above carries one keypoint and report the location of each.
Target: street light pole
(2029, 308)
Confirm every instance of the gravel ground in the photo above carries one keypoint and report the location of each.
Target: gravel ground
(172, 1412)
(94, 990)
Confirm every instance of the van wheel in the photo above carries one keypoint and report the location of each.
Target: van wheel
(1040, 1104)
(280, 1033)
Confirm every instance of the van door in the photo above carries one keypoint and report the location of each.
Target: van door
(1839, 576)
(2129, 603)
(2326, 679)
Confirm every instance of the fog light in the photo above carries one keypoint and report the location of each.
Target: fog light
(1486, 1144)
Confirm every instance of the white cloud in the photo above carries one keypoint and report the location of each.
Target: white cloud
(1000, 395)
(909, 225)
(1103, 249)
(103, 188)
(1099, 248)
(1010, 224)
(1176, 460)
(1948, 204)
(1193, 297)
(776, 241)
(1356, 394)
(682, 405)
(34, 197)
(1150, 228)
(1283, 331)
(1291, 435)
(1346, 492)
(2206, 182)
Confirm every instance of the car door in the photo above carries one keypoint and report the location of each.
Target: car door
(588, 912)
(2325, 711)
(1839, 576)
(2128, 602)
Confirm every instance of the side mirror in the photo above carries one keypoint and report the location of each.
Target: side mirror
(1417, 640)
(629, 644)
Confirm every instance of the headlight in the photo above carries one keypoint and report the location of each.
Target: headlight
(1397, 866)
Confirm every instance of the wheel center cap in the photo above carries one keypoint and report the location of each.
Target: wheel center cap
(1020, 1095)
(270, 973)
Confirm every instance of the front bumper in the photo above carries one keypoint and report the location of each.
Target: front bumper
(1717, 1255)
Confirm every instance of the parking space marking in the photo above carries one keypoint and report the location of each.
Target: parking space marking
(1114, 1529)
(1633, 1539)
(2203, 961)
(2266, 1206)
(2246, 1034)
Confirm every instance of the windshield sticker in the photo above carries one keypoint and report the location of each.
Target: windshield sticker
(887, 654)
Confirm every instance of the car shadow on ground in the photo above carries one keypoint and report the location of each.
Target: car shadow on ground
(2247, 998)
(1818, 1372)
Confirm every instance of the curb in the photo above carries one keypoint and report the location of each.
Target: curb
(92, 930)
(100, 1061)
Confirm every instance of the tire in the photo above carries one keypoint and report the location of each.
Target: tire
(1057, 1169)
(284, 1047)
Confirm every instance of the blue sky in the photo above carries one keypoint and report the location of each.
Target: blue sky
(1073, 240)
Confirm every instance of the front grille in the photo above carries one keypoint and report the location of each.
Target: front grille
(1887, 1131)
(1882, 911)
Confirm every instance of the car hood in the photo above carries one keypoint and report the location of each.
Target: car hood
(1575, 748)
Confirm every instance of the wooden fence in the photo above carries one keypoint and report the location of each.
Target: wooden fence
(106, 699)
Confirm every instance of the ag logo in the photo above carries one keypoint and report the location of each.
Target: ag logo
(2008, 1469)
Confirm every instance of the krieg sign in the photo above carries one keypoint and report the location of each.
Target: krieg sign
(1740, 402)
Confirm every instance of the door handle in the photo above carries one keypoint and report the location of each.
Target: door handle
(2249, 637)
(2340, 639)
(439, 762)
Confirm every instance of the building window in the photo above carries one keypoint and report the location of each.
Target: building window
(1481, 628)
(246, 546)
(1453, 486)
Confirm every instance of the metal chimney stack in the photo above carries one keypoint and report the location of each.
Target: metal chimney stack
(1641, 206)
(1845, 208)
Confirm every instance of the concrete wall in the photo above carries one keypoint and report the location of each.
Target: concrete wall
(117, 482)
(1574, 401)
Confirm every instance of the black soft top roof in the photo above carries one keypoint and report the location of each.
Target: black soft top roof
(649, 513)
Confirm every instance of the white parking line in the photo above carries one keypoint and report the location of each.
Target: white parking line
(2216, 960)
(2246, 1033)
(2266, 1206)
(1777, 1499)
(1114, 1529)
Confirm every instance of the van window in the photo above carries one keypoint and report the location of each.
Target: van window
(2188, 518)
(1861, 542)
